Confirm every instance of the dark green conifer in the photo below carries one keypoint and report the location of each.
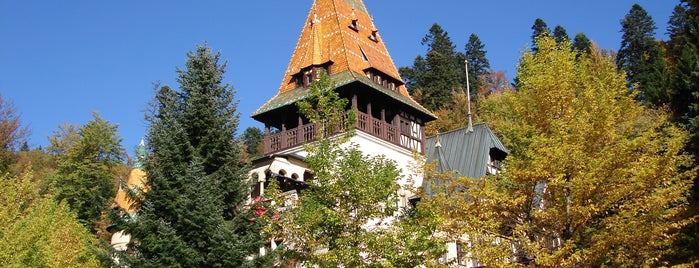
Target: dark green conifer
(582, 44)
(194, 214)
(538, 29)
(560, 34)
(641, 57)
(438, 73)
(478, 64)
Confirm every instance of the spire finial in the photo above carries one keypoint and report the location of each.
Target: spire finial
(315, 13)
(468, 95)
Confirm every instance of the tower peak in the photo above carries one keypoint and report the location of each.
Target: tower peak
(339, 37)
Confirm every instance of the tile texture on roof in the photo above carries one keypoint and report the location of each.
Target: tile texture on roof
(326, 37)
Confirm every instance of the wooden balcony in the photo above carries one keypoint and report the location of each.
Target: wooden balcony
(401, 133)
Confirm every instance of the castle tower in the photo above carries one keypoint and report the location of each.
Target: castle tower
(339, 37)
(136, 182)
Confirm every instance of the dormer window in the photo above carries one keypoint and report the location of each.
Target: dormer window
(353, 25)
(373, 35)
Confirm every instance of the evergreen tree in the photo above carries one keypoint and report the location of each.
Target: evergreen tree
(86, 176)
(683, 29)
(538, 29)
(560, 34)
(582, 44)
(478, 65)
(438, 73)
(252, 138)
(641, 57)
(193, 214)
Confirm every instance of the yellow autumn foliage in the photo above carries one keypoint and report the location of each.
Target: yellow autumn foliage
(593, 179)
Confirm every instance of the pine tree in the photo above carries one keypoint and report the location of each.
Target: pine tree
(582, 44)
(478, 64)
(641, 57)
(538, 29)
(252, 138)
(437, 74)
(683, 29)
(560, 34)
(193, 214)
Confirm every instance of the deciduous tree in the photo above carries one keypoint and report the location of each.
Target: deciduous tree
(12, 133)
(593, 177)
(86, 177)
(36, 231)
(349, 214)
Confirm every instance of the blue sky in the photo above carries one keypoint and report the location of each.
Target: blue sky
(62, 60)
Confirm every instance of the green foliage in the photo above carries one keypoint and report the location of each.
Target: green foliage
(324, 108)
(252, 138)
(593, 178)
(642, 58)
(560, 34)
(12, 133)
(349, 214)
(538, 28)
(478, 65)
(194, 213)
(582, 44)
(683, 29)
(86, 175)
(437, 74)
(36, 231)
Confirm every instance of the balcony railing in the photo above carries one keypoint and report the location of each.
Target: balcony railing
(401, 136)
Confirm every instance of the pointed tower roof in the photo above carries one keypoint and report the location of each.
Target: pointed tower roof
(342, 35)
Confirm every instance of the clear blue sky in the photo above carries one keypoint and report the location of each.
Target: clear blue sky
(62, 60)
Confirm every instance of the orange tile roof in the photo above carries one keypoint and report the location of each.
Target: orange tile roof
(327, 37)
(137, 179)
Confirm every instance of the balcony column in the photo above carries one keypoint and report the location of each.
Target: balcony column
(383, 124)
(266, 140)
(370, 119)
(283, 137)
(300, 136)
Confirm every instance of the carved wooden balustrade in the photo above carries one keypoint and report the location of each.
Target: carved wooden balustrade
(400, 134)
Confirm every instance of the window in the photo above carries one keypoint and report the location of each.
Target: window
(353, 25)
(373, 36)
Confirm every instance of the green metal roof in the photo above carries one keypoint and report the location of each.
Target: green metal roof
(465, 152)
